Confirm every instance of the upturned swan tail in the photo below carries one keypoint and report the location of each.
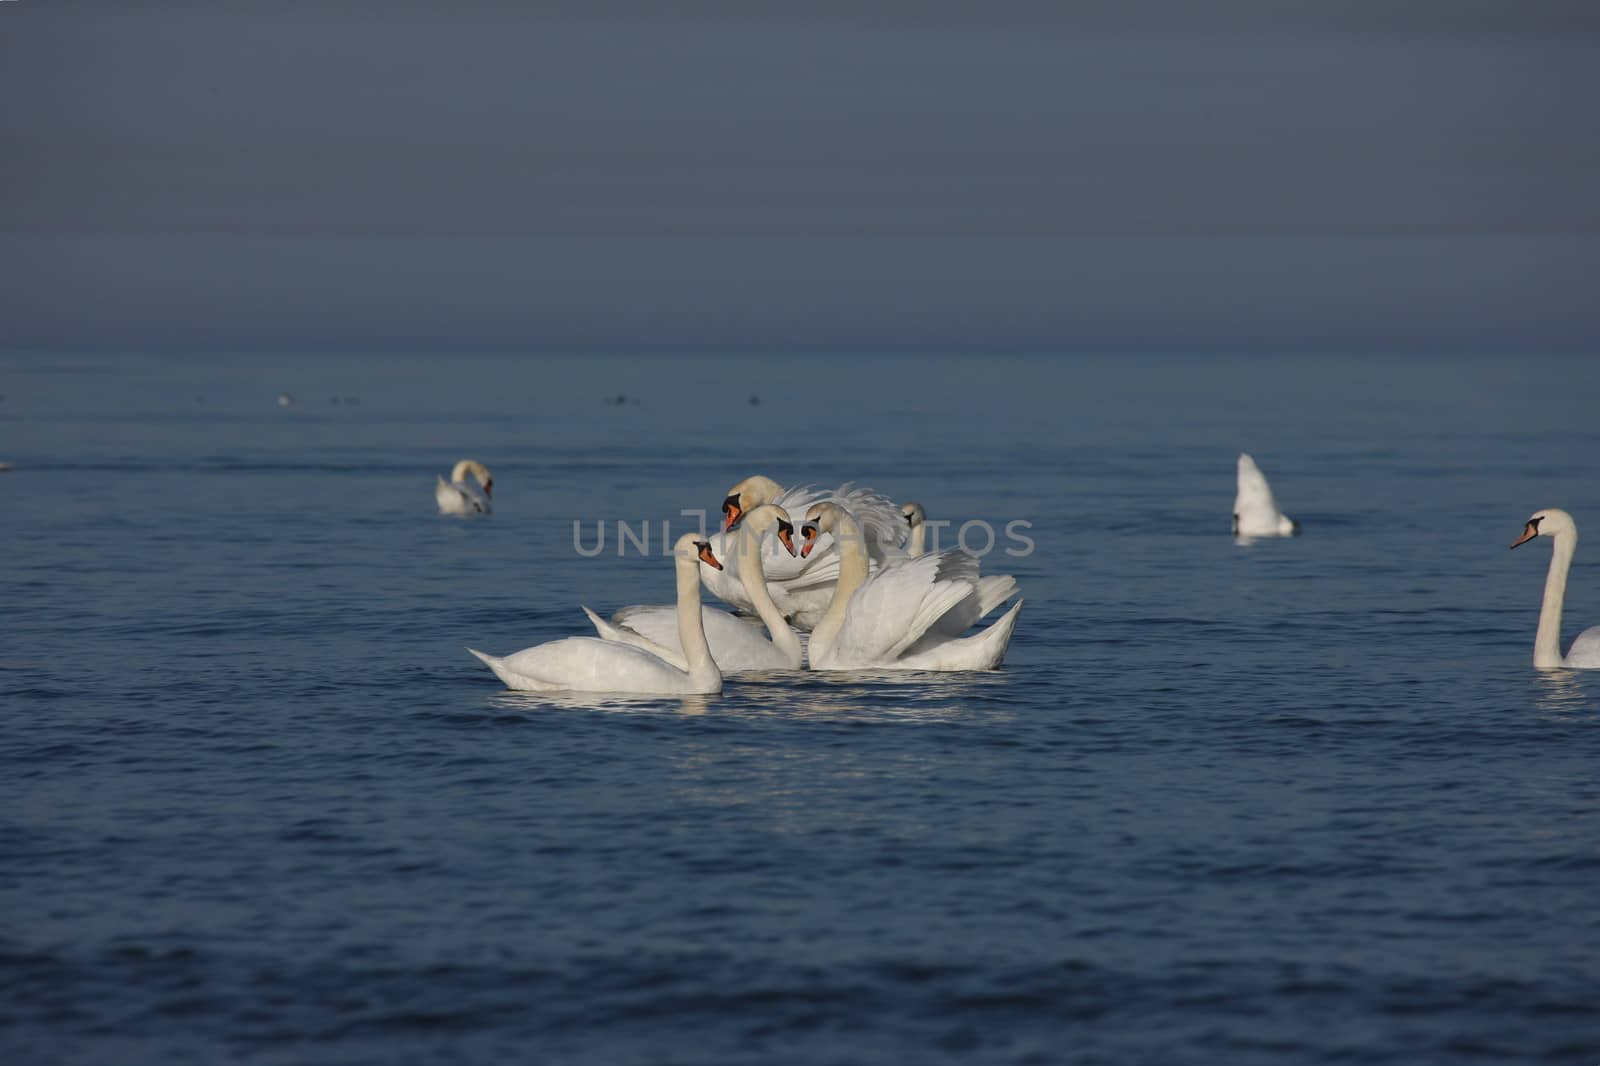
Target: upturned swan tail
(985, 650)
(995, 640)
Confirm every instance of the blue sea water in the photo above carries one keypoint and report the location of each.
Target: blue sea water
(1299, 801)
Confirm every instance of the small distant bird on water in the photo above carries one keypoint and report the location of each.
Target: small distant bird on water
(460, 496)
(284, 399)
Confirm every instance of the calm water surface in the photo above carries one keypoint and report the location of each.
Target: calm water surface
(1300, 801)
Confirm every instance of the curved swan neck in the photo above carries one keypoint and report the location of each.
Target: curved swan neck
(853, 570)
(691, 627)
(754, 580)
(1547, 642)
(470, 466)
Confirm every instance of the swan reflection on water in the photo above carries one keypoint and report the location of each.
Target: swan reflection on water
(1564, 692)
(609, 702)
(855, 696)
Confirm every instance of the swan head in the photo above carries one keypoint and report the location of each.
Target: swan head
(914, 513)
(691, 547)
(769, 516)
(746, 496)
(820, 518)
(1550, 522)
(477, 470)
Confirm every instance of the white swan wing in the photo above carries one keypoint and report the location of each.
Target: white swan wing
(1585, 651)
(588, 664)
(879, 517)
(990, 592)
(984, 650)
(1255, 512)
(622, 634)
(901, 602)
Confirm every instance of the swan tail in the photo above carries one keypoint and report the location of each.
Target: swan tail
(606, 630)
(646, 627)
(997, 638)
(511, 678)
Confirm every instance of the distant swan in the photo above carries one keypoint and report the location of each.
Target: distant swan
(460, 496)
(802, 588)
(1255, 512)
(891, 619)
(1584, 654)
(589, 664)
(736, 645)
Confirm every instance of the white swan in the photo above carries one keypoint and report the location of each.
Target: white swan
(736, 645)
(1255, 512)
(460, 496)
(915, 517)
(1584, 654)
(802, 588)
(889, 619)
(589, 664)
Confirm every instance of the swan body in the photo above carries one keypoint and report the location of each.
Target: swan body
(891, 619)
(1255, 512)
(802, 588)
(1584, 654)
(589, 664)
(463, 497)
(735, 643)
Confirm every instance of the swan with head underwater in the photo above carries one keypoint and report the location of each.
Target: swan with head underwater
(589, 664)
(1584, 654)
(736, 645)
(896, 618)
(802, 587)
(1255, 512)
(463, 497)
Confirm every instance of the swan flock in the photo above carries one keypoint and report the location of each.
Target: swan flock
(855, 576)
(844, 580)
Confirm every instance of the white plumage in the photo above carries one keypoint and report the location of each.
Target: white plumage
(1255, 512)
(459, 496)
(589, 664)
(1584, 654)
(802, 588)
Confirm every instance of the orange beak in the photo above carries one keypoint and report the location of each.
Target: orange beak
(731, 512)
(708, 558)
(810, 535)
(786, 538)
(1529, 531)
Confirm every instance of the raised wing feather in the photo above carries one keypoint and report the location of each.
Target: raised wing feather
(899, 604)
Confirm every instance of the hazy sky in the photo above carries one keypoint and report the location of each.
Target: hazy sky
(731, 175)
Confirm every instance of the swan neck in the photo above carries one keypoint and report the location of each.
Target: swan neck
(1547, 642)
(754, 580)
(919, 539)
(691, 627)
(853, 570)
